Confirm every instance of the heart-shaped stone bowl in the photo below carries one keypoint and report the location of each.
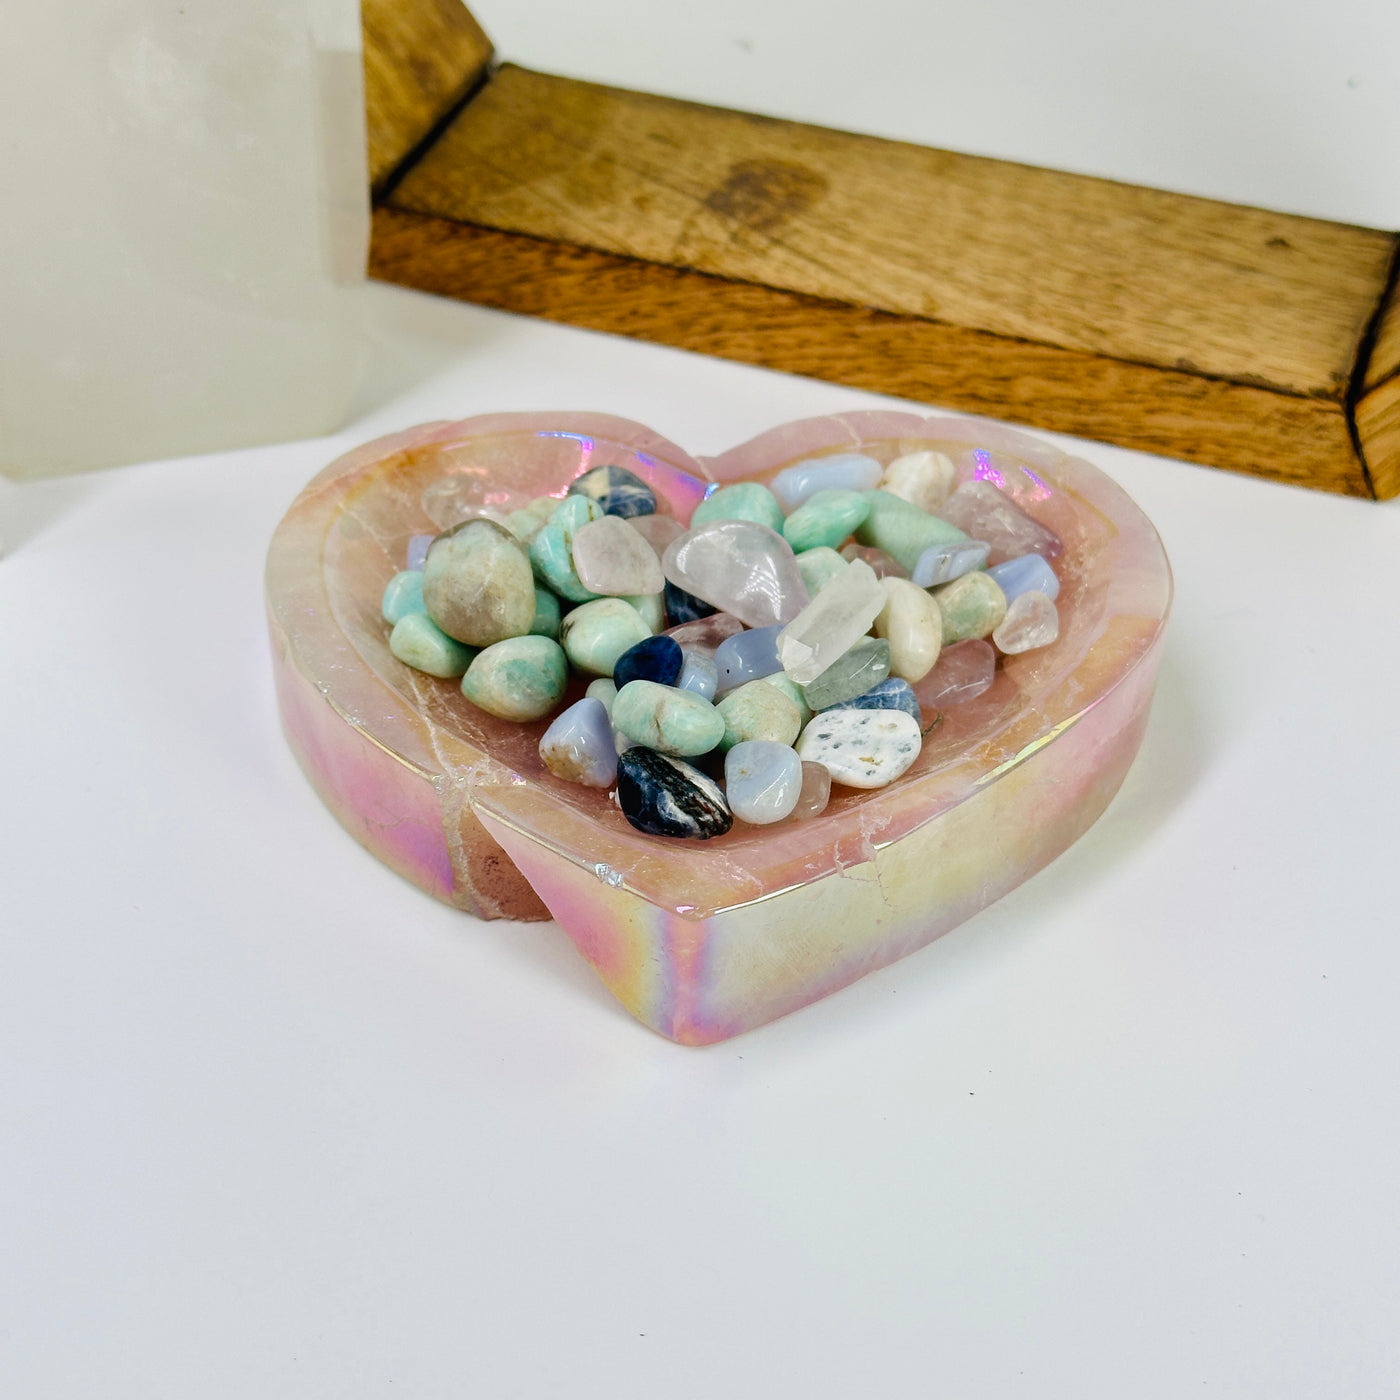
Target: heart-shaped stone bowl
(703, 940)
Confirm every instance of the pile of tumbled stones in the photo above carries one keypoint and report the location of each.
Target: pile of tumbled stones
(792, 637)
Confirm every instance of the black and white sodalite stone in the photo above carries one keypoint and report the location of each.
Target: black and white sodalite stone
(617, 490)
(665, 796)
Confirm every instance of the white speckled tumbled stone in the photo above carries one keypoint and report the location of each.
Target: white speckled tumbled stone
(843, 471)
(861, 748)
(762, 781)
(831, 624)
(740, 568)
(578, 745)
(613, 560)
(924, 479)
(913, 626)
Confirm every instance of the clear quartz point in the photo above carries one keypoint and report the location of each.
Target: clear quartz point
(832, 623)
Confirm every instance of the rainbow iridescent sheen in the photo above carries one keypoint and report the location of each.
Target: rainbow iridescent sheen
(703, 941)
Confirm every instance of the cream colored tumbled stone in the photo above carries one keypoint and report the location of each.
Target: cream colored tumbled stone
(913, 626)
(924, 479)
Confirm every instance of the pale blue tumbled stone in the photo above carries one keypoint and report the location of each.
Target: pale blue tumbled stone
(699, 674)
(417, 554)
(1028, 573)
(942, 563)
(578, 746)
(846, 471)
(747, 656)
(419, 642)
(403, 594)
(762, 781)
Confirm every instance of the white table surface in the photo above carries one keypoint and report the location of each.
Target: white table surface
(273, 1123)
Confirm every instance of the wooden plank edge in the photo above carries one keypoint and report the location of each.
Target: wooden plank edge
(423, 60)
(1376, 419)
(1214, 422)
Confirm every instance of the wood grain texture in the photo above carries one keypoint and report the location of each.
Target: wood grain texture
(1225, 335)
(1295, 439)
(1378, 430)
(421, 57)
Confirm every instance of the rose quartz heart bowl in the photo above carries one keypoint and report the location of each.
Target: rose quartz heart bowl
(703, 940)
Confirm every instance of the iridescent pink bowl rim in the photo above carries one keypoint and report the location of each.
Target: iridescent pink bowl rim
(527, 811)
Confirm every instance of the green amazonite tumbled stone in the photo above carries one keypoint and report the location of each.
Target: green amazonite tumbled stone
(552, 549)
(866, 664)
(526, 522)
(819, 566)
(745, 500)
(546, 623)
(757, 710)
(972, 606)
(793, 691)
(419, 642)
(520, 679)
(595, 634)
(403, 594)
(652, 608)
(825, 518)
(903, 530)
(666, 719)
(477, 584)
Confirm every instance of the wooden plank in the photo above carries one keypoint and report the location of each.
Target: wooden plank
(421, 58)
(1225, 335)
(1292, 438)
(1378, 431)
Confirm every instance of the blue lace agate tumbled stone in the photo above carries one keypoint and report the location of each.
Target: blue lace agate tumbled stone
(747, 656)
(665, 796)
(1027, 573)
(656, 659)
(578, 746)
(699, 674)
(684, 607)
(892, 693)
(617, 490)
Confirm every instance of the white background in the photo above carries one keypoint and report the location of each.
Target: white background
(272, 1123)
